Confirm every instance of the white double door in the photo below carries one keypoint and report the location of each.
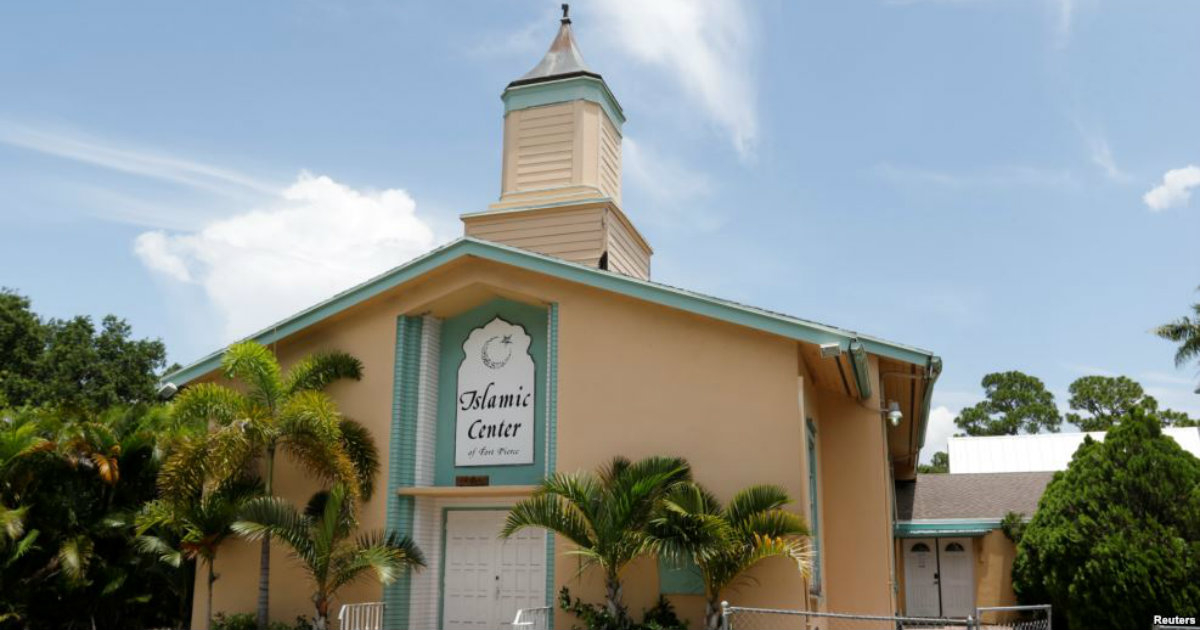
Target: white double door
(939, 578)
(486, 580)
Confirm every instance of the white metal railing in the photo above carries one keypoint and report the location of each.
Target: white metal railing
(533, 618)
(366, 616)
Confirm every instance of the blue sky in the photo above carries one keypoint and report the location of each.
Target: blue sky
(1005, 182)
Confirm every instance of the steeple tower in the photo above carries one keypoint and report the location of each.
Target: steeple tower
(560, 184)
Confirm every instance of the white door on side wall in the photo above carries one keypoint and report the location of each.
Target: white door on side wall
(486, 579)
(920, 578)
(939, 578)
(955, 559)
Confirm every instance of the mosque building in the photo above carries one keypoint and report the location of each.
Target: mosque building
(539, 343)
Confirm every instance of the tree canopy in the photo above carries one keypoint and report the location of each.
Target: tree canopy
(70, 364)
(1107, 399)
(1016, 402)
(1116, 536)
(940, 463)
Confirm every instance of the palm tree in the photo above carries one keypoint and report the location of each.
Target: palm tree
(1184, 331)
(278, 411)
(603, 514)
(196, 511)
(724, 542)
(320, 540)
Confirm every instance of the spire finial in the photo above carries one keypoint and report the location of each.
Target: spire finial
(566, 18)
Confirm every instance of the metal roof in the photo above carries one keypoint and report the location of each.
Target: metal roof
(1042, 451)
(561, 61)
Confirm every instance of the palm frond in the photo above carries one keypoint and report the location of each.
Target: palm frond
(255, 365)
(74, 557)
(388, 555)
(553, 512)
(317, 371)
(359, 446)
(753, 500)
(774, 524)
(159, 548)
(277, 517)
(12, 522)
(206, 404)
(24, 545)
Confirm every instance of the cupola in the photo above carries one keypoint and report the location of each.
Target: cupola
(560, 182)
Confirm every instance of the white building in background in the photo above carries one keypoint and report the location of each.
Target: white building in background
(1039, 452)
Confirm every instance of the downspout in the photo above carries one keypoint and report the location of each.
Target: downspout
(862, 372)
(933, 371)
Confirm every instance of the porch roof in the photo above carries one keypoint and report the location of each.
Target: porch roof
(976, 496)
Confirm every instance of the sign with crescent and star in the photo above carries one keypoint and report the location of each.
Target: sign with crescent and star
(495, 398)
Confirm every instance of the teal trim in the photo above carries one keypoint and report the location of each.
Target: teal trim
(707, 306)
(862, 371)
(562, 91)
(454, 333)
(402, 456)
(551, 437)
(945, 527)
(683, 578)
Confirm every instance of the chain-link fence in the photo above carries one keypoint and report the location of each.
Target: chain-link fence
(743, 618)
(1013, 617)
(990, 618)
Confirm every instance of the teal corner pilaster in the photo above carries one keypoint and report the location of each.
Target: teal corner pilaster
(402, 457)
(551, 436)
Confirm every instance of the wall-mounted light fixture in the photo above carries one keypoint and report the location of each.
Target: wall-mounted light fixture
(894, 415)
(167, 390)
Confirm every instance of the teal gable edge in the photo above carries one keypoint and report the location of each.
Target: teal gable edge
(402, 457)
(948, 527)
(716, 308)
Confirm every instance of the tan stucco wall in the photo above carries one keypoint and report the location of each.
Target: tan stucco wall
(993, 570)
(857, 513)
(634, 379)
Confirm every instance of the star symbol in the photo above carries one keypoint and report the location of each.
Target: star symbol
(507, 340)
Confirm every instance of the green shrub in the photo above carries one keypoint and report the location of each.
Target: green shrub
(1116, 537)
(661, 616)
(247, 621)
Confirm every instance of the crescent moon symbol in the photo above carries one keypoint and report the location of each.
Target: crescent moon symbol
(490, 361)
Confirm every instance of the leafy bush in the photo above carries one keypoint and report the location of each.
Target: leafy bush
(661, 616)
(246, 621)
(1013, 525)
(1116, 537)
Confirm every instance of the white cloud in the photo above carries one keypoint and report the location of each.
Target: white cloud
(940, 428)
(314, 239)
(1102, 156)
(1175, 190)
(998, 177)
(706, 45)
(672, 187)
(135, 161)
(1066, 16)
